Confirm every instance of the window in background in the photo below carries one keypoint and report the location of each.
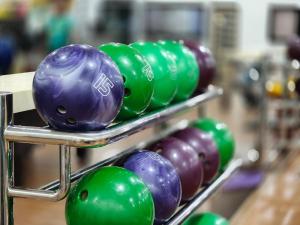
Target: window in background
(284, 22)
(175, 21)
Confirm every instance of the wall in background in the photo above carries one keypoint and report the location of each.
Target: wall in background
(254, 24)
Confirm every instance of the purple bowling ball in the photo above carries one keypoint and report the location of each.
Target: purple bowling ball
(78, 88)
(187, 163)
(161, 178)
(204, 145)
(7, 52)
(206, 63)
(293, 48)
(297, 87)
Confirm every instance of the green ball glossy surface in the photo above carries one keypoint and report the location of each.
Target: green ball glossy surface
(138, 78)
(165, 80)
(110, 195)
(206, 219)
(186, 67)
(222, 136)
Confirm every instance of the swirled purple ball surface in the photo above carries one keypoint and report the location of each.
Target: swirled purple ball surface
(206, 149)
(186, 162)
(78, 88)
(293, 48)
(206, 63)
(161, 178)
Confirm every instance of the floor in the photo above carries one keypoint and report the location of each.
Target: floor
(42, 164)
(277, 201)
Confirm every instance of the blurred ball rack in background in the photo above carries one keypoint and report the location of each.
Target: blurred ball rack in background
(279, 109)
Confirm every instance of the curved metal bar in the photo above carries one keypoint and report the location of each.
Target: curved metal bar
(203, 195)
(80, 173)
(64, 181)
(109, 135)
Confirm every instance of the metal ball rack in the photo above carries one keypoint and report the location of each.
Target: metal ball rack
(57, 190)
(273, 150)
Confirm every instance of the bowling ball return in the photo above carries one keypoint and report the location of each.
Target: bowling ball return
(66, 141)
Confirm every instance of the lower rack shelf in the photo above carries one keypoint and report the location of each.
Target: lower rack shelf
(182, 213)
(204, 194)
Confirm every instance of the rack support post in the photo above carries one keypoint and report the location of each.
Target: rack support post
(6, 118)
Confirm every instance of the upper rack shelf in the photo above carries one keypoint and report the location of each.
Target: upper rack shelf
(111, 134)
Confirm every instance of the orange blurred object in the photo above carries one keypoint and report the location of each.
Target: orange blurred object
(274, 88)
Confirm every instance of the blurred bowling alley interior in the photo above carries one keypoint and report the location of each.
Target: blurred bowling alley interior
(233, 66)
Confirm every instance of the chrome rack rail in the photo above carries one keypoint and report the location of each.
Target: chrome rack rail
(204, 194)
(111, 134)
(53, 186)
(58, 189)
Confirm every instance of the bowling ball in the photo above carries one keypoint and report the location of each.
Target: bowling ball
(161, 178)
(205, 147)
(165, 80)
(207, 218)
(186, 161)
(78, 88)
(222, 137)
(297, 86)
(206, 64)
(187, 68)
(7, 51)
(274, 88)
(110, 195)
(250, 84)
(293, 48)
(137, 75)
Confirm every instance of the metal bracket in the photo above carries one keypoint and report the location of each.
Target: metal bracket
(64, 181)
(6, 119)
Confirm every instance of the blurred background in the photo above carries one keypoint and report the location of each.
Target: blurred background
(31, 28)
(249, 42)
(239, 33)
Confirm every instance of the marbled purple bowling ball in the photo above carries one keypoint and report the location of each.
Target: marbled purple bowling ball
(186, 161)
(161, 178)
(204, 145)
(78, 88)
(293, 48)
(206, 63)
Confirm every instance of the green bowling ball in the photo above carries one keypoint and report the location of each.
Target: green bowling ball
(222, 136)
(206, 219)
(110, 195)
(165, 80)
(138, 78)
(187, 68)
